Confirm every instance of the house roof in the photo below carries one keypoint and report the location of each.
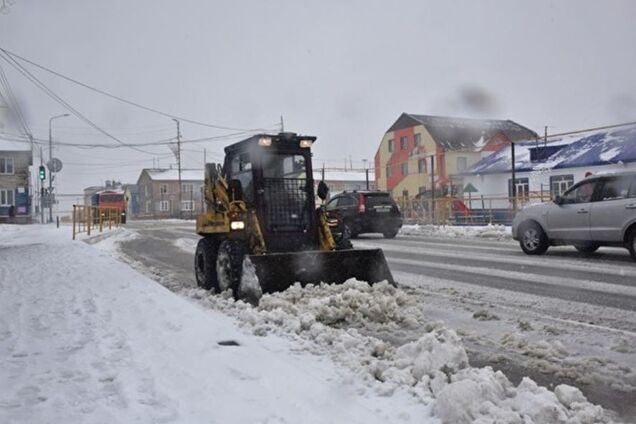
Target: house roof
(601, 148)
(464, 133)
(173, 174)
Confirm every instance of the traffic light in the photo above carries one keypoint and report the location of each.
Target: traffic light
(42, 172)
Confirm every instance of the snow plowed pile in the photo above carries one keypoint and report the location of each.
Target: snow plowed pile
(495, 232)
(433, 368)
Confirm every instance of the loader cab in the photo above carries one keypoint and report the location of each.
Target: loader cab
(275, 177)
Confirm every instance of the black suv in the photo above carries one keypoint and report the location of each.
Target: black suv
(366, 212)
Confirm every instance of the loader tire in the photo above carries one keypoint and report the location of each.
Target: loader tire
(229, 266)
(205, 264)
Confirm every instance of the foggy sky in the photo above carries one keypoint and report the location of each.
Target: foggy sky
(341, 70)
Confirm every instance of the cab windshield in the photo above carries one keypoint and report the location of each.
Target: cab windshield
(284, 165)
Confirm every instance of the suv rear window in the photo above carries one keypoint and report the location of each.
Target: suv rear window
(378, 199)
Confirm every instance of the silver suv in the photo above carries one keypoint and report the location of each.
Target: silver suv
(597, 211)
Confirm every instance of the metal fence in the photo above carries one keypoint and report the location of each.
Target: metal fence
(474, 210)
(94, 218)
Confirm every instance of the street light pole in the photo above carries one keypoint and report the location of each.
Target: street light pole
(51, 164)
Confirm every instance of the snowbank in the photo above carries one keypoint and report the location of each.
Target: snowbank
(496, 232)
(433, 368)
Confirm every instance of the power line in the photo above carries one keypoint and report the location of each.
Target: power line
(13, 104)
(129, 102)
(58, 99)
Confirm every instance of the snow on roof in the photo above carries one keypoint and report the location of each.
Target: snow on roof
(600, 148)
(464, 133)
(173, 174)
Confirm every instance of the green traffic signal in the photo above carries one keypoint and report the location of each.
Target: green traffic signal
(42, 172)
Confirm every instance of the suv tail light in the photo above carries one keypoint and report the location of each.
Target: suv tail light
(361, 204)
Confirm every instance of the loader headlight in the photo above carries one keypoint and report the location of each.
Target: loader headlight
(306, 143)
(265, 141)
(237, 225)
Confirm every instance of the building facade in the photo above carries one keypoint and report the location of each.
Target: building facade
(544, 171)
(421, 153)
(15, 177)
(158, 194)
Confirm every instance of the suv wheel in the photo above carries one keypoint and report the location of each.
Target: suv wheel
(631, 243)
(587, 247)
(389, 234)
(533, 239)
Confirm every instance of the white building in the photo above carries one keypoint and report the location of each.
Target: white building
(547, 170)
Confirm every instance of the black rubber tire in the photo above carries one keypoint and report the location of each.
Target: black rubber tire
(631, 243)
(533, 240)
(587, 248)
(389, 234)
(205, 263)
(229, 266)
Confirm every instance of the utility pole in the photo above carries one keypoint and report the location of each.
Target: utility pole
(282, 124)
(41, 186)
(432, 189)
(205, 159)
(179, 164)
(50, 194)
(545, 136)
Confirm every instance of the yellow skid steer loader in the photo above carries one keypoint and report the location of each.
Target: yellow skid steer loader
(261, 223)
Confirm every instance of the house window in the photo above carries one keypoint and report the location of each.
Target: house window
(405, 168)
(187, 205)
(390, 145)
(6, 197)
(147, 191)
(147, 205)
(418, 139)
(462, 163)
(163, 188)
(421, 189)
(388, 171)
(405, 193)
(421, 166)
(404, 143)
(164, 206)
(560, 183)
(6, 165)
(522, 186)
(187, 188)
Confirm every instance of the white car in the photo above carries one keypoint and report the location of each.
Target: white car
(597, 211)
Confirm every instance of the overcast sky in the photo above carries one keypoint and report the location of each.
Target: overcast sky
(341, 70)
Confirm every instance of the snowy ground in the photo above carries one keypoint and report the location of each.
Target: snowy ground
(153, 348)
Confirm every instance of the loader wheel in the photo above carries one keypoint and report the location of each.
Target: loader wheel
(205, 263)
(229, 265)
(348, 231)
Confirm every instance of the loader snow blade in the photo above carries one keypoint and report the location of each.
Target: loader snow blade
(278, 271)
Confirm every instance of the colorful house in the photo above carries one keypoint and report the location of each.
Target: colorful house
(420, 153)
